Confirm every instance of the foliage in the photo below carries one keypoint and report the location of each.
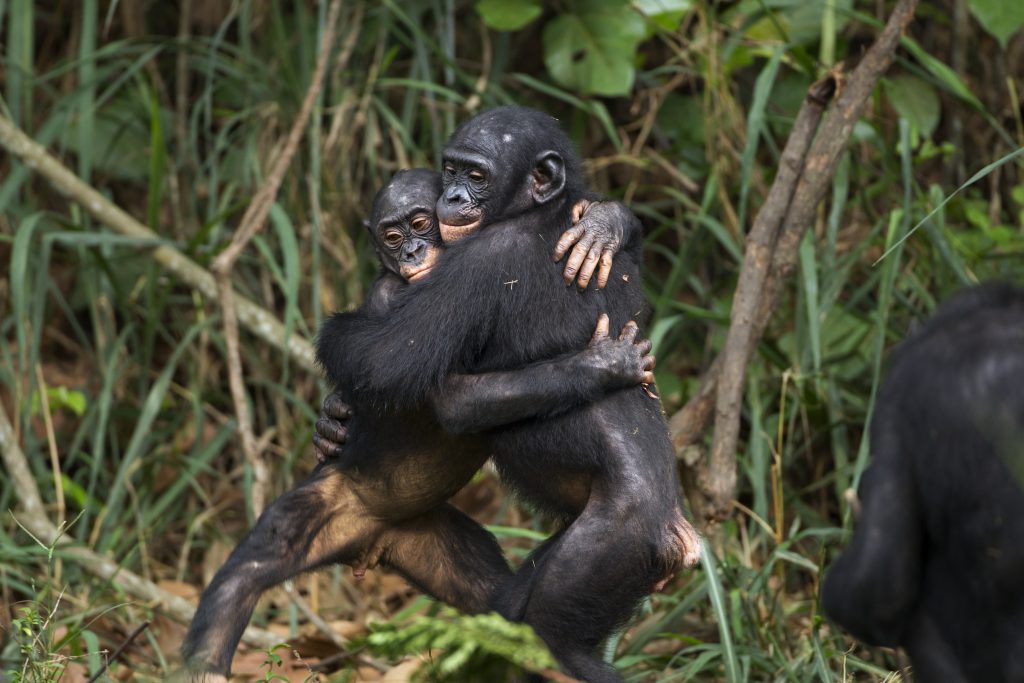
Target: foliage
(680, 108)
(481, 646)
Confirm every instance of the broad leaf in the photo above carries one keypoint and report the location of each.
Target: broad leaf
(508, 15)
(593, 49)
(1001, 18)
(916, 101)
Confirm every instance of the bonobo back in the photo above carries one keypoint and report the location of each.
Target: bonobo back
(937, 557)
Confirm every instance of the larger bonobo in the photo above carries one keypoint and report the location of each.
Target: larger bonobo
(607, 469)
(384, 500)
(936, 564)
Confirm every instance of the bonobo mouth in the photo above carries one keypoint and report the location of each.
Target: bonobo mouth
(417, 274)
(451, 232)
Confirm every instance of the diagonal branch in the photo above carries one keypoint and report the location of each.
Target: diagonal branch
(33, 518)
(771, 256)
(259, 321)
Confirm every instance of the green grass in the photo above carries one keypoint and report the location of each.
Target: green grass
(150, 470)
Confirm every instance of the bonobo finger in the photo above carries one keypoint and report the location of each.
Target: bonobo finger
(331, 430)
(589, 266)
(644, 346)
(607, 257)
(648, 362)
(336, 408)
(578, 209)
(629, 332)
(325, 449)
(568, 238)
(579, 252)
(649, 379)
(601, 331)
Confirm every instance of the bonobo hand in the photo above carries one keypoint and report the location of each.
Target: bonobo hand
(331, 431)
(624, 362)
(597, 231)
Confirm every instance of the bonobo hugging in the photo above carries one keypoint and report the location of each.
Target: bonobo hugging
(474, 349)
(478, 343)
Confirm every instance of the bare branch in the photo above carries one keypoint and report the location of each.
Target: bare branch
(33, 518)
(252, 222)
(257, 320)
(771, 255)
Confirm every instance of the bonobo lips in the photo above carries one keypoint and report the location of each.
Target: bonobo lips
(416, 275)
(451, 232)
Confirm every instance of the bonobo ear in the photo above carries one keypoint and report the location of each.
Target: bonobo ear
(548, 176)
(367, 225)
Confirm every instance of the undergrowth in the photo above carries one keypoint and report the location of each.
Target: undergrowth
(115, 372)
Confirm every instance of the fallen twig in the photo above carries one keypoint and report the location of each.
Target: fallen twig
(120, 648)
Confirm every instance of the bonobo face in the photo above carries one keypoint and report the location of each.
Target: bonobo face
(499, 164)
(402, 225)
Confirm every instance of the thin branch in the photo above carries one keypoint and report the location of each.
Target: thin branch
(256, 319)
(253, 220)
(33, 518)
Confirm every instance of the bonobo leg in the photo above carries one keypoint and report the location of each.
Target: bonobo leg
(587, 580)
(449, 556)
(873, 589)
(323, 521)
(319, 522)
(931, 655)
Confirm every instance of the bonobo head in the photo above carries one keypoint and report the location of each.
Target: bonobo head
(502, 163)
(402, 224)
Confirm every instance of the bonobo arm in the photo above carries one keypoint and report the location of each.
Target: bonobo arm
(600, 230)
(872, 590)
(474, 403)
(434, 328)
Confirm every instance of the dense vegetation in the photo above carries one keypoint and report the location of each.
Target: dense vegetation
(113, 371)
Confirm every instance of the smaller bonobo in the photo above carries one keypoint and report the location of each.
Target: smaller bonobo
(936, 563)
(384, 500)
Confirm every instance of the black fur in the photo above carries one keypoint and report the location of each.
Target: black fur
(383, 500)
(936, 563)
(494, 301)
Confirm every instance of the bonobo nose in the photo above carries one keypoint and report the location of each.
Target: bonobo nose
(415, 248)
(452, 196)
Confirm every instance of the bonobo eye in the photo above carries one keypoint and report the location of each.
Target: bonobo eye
(393, 238)
(420, 223)
(449, 170)
(476, 176)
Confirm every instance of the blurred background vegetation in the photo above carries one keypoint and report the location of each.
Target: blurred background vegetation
(114, 371)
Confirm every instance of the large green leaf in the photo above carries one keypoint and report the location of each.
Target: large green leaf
(508, 15)
(916, 101)
(1001, 18)
(592, 49)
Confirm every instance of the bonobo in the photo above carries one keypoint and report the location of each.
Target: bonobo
(384, 500)
(606, 469)
(936, 563)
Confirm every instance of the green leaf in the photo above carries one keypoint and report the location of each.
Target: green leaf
(508, 15)
(916, 101)
(1001, 18)
(593, 49)
(665, 13)
(62, 397)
